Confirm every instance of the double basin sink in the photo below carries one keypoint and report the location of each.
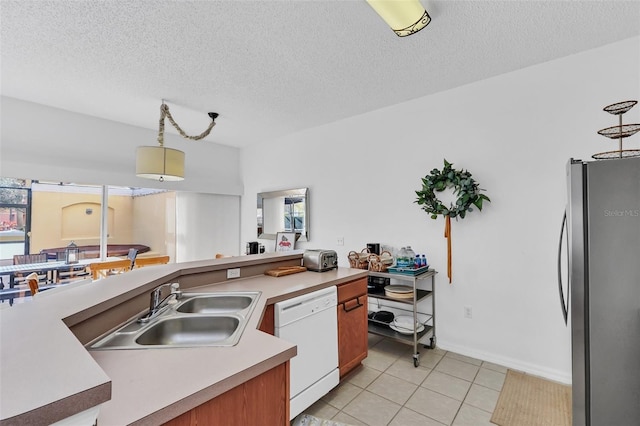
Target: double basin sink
(196, 319)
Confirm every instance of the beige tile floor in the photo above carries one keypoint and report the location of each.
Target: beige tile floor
(446, 389)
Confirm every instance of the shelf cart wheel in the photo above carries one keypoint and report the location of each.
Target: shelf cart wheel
(416, 360)
(432, 344)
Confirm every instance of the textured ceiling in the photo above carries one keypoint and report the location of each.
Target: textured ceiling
(271, 68)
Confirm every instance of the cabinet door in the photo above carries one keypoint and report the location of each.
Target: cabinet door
(263, 400)
(267, 324)
(352, 333)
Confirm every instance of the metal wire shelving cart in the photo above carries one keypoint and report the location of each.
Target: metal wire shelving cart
(411, 304)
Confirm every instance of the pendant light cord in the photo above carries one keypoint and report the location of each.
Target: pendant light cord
(164, 112)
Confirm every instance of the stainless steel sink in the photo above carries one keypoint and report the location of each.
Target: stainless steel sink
(189, 331)
(215, 304)
(197, 319)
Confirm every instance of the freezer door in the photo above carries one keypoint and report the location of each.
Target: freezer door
(613, 300)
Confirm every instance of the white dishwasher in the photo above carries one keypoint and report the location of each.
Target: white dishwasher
(310, 321)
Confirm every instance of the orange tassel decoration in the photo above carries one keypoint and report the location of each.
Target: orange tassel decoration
(447, 235)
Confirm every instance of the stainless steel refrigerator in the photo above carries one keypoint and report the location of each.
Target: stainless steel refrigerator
(602, 296)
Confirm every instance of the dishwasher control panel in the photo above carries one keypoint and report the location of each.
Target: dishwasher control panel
(307, 304)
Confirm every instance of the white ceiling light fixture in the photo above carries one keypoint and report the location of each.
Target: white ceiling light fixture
(405, 17)
(166, 164)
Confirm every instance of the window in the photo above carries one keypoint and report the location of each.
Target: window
(15, 215)
(41, 216)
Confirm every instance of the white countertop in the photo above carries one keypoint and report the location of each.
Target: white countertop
(46, 371)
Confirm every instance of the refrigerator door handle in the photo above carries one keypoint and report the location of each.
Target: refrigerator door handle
(564, 304)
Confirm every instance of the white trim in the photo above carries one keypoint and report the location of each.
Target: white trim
(92, 189)
(512, 363)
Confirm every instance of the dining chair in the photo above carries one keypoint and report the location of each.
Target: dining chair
(133, 253)
(32, 280)
(109, 268)
(24, 259)
(75, 271)
(147, 261)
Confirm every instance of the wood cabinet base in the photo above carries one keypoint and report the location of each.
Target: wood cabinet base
(353, 343)
(263, 400)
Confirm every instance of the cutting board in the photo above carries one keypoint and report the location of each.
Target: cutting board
(285, 270)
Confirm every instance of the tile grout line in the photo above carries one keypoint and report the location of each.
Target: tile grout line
(465, 395)
(413, 393)
(462, 402)
(381, 396)
(396, 357)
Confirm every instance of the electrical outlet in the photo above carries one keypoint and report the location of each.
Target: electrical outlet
(468, 313)
(233, 273)
(340, 241)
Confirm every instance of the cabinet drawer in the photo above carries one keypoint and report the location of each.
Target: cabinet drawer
(352, 289)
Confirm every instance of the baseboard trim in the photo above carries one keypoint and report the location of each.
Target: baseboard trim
(515, 364)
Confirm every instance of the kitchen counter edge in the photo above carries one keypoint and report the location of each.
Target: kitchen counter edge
(101, 378)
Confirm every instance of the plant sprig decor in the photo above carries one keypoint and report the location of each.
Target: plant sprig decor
(464, 187)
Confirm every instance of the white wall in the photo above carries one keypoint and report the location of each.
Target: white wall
(514, 133)
(206, 224)
(40, 142)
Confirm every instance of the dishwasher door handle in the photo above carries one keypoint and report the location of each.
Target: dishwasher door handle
(356, 306)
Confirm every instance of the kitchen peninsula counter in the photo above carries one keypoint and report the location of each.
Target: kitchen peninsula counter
(47, 374)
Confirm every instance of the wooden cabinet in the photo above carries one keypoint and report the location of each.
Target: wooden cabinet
(352, 325)
(263, 400)
(268, 320)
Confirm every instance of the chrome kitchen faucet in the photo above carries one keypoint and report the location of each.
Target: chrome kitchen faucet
(155, 303)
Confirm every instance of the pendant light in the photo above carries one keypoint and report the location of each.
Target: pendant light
(405, 17)
(161, 163)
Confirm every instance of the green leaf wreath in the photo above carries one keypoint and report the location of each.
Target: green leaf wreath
(464, 186)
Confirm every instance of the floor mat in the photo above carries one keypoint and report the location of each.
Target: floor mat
(309, 420)
(531, 401)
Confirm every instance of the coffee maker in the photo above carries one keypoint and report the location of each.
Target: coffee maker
(253, 247)
(373, 248)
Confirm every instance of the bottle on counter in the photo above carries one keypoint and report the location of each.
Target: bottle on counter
(416, 262)
(412, 256)
(423, 261)
(403, 260)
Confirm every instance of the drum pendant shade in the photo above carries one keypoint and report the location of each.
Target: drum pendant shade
(166, 164)
(159, 163)
(405, 17)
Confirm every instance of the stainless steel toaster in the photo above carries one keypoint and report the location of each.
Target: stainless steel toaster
(320, 260)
